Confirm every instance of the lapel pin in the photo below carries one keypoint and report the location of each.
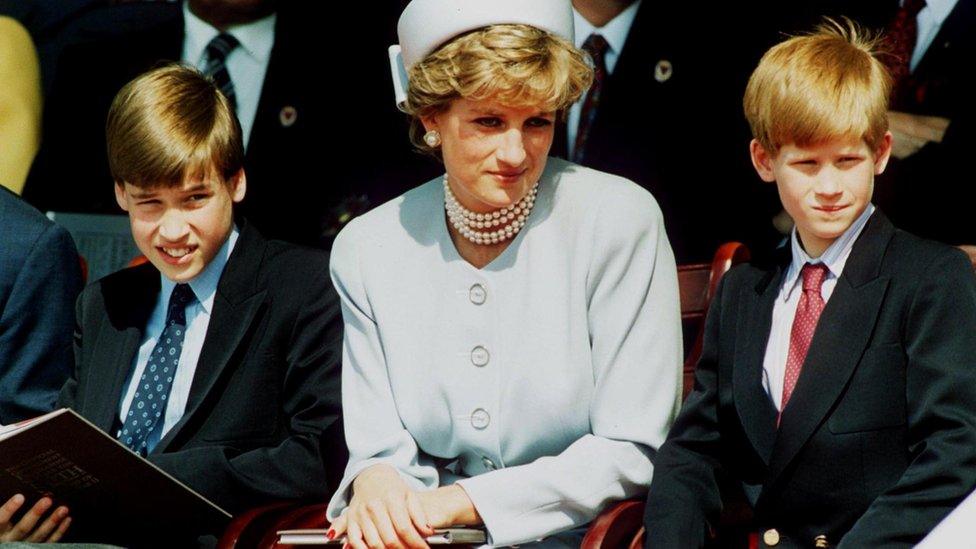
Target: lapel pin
(287, 116)
(663, 70)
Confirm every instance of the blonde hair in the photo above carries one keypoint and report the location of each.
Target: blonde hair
(825, 85)
(170, 124)
(517, 65)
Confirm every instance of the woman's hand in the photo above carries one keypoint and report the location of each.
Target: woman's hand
(27, 528)
(383, 512)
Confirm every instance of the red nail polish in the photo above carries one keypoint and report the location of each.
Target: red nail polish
(330, 534)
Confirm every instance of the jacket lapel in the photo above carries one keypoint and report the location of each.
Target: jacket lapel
(116, 344)
(239, 296)
(756, 411)
(842, 334)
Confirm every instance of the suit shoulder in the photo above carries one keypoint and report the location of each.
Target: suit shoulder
(123, 279)
(910, 255)
(288, 260)
(19, 219)
(293, 273)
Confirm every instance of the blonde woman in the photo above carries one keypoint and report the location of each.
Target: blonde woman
(512, 340)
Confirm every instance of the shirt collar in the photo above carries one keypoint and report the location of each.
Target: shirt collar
(615, 31)
(256, 37)
(939, 9)
(834, 257)
(204, 285)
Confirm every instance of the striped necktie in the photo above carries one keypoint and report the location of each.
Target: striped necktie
(597, 47)
(217, 51)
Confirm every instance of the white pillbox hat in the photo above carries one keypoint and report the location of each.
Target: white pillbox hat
(427, 24)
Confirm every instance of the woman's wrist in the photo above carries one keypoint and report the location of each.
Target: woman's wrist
(453, 506)
(375, 476)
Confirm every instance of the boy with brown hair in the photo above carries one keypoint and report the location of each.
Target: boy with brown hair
(837, 387)
(218, 359)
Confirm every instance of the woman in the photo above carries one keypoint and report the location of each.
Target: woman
(512, 344)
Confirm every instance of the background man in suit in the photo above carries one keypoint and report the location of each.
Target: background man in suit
(267, 54)
(655, 62)
(39, 281)
(843, 404)
(218, 359)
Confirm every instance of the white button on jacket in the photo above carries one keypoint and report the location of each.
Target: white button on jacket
(579, 322)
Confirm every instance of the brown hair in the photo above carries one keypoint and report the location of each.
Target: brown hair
(170, 124)
(518, 65)
(817, 87)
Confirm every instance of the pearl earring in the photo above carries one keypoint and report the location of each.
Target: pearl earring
(433, 139)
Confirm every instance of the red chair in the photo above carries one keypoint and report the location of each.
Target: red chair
(84, 269)
(137, 260)
(620, 525)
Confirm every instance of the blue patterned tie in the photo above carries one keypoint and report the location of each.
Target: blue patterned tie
(217, 51)
(148, 406)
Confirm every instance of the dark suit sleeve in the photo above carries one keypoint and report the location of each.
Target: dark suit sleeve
(35, 326)
(941, 397)
(293, 468)
(684, 494)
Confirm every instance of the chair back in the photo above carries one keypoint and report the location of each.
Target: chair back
(696, 285)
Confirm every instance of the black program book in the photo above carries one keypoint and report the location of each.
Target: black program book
(113, 495)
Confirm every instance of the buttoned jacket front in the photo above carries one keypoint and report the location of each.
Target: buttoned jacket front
(544, 382)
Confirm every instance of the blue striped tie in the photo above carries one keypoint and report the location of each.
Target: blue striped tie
(217, 51)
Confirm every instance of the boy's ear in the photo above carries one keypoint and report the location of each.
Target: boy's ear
(120, 196)
(238, 186)
(883, 153)
(762, 161)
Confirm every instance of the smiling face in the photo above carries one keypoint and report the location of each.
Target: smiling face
(180, 229)
(493, 153)
(823, 187)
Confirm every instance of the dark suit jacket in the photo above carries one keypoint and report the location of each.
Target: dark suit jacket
(878, 442)
(684, 138)
(266, 387)
(39, 281)
(297, 191)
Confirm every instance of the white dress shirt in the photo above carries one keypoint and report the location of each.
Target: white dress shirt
(615, 32)
(784, 310)
(204, 288)
(929, 21)
(542, 383)
(246, 64)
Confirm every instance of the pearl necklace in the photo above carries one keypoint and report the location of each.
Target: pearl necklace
(508, 220)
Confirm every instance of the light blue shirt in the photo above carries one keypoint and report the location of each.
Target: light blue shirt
(198, 313)
(247, 64)
(615, 32)
(929, 21)
(784, 310)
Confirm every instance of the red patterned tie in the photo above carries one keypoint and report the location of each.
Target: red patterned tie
(804, 323)
(597, 47)
(901, 38)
